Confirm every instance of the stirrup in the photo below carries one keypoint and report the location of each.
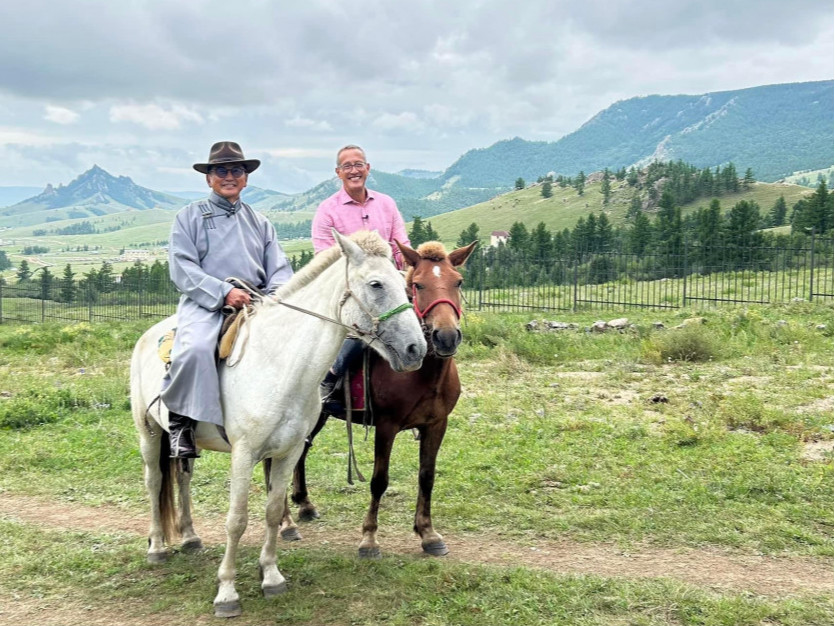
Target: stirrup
(182, 443)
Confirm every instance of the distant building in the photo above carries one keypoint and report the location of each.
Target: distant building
(498, 236)
(136, 255)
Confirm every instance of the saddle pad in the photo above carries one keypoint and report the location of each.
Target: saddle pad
(164, 345)
(230, 331)
(357, 389)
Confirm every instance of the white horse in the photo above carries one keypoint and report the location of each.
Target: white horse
(270, 397)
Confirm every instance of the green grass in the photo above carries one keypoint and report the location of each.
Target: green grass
(330, 587)
(555, 437)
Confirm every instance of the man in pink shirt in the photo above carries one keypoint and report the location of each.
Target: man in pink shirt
(354, 207)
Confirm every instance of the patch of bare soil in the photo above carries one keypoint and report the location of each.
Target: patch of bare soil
(714, 568)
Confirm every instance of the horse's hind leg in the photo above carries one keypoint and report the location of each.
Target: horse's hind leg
(307, 510)
(383, 441)
(190, 541)
(430, 443)
(150, 443)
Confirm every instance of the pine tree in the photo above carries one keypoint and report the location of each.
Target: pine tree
(23, 271)
(605, 237)
(640, 235)
(634, 207)
(467, 236)
(546, 189)
(518, 238)
(520, 183)
(777, 215)
(541, 242)
(67, 285)
(417, 235)
(748, 180)
(580, 183)
(45, 283)
(606, 186)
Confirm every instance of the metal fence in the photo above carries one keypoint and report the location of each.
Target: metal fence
(502, 281)
(690, 276)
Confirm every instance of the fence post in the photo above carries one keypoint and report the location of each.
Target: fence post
(684, 278)
(812, 268)
(576, 266)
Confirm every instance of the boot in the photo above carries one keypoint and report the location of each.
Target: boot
(181, 430)
(331, 393)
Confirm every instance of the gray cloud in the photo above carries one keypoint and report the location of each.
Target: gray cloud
(417, 83)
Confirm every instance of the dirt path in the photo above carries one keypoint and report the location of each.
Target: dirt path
(714, 568)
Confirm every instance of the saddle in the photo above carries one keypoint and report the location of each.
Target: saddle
(232, 323)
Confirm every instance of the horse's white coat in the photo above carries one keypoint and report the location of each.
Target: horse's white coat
(270, 398)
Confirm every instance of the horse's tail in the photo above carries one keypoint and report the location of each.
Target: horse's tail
(268, 464)
(167, 509)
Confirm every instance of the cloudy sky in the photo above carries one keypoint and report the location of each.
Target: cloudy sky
(144, 87)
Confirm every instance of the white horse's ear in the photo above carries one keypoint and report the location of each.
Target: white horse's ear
(352, 251)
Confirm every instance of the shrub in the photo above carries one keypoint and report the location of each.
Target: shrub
(691, 343)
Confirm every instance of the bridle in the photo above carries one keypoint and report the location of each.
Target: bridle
(347, 293)
(422, 314)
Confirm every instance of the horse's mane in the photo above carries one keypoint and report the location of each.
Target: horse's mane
(431, 251)
(369, 241)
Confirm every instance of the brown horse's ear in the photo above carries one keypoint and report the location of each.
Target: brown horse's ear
(459, 257)
(411, 256)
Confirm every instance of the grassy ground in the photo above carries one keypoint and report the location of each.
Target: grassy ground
(556, 438)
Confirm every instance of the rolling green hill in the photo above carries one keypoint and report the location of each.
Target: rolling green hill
(565, 207)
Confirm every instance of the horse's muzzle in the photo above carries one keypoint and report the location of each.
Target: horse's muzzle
(445, 341)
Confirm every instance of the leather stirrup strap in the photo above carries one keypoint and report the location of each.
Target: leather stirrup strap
(352, 456)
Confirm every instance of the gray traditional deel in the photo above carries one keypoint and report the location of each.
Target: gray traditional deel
(231, 240)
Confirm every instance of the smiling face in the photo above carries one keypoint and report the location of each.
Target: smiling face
(353, 179)
(228, 186)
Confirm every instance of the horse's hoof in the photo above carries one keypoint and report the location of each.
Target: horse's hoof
(228, 609)
(436, 549)
(371, 553)
(192, 545)
(308, 515)
(291, 534)
(270, 591)
(156, 558)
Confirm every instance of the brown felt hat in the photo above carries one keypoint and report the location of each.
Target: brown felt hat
(225, 153)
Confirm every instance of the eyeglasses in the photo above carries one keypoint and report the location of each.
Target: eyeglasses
(221, 171)
(347, 167)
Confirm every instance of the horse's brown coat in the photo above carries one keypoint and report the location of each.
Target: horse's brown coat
(420, 400)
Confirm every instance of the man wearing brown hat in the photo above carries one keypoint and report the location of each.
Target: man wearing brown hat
(211, 240)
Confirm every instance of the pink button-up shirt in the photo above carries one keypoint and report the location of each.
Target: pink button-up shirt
(347, 216)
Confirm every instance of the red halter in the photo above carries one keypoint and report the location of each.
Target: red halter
(432, 305)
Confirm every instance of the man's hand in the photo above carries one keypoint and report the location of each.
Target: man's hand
(237, 298)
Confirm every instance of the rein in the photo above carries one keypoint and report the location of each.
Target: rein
(422, 314)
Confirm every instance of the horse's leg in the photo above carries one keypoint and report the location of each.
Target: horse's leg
(190, 541)
(430, 441)
(150, 446)
(227, 602)
(272, 582)
(383, 441)
(287, 528)
(307, 510)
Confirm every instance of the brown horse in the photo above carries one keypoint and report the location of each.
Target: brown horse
(420, 400)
